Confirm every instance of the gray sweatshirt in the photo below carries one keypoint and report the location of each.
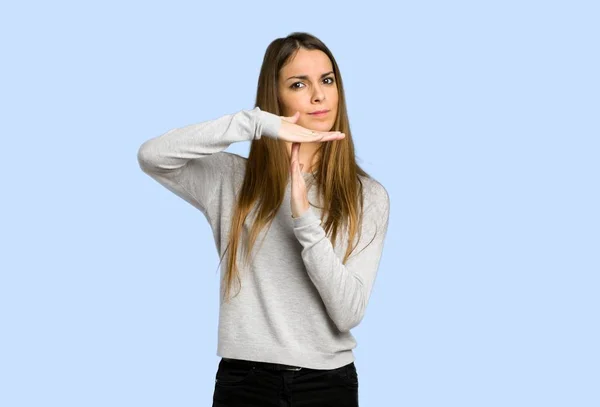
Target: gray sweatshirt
(297, 301)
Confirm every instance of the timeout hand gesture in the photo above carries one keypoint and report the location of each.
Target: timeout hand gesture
(297, 134)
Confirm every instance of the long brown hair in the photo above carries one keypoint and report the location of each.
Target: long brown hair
(267, 166)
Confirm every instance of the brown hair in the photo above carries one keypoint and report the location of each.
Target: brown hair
(267, 166)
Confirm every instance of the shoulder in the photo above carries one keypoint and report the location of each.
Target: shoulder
(237, 162)
(375, 194)
(222, 165)
(229, 164)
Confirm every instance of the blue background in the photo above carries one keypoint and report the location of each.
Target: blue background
(480, 118)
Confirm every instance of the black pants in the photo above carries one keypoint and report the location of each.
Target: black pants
(240, 383)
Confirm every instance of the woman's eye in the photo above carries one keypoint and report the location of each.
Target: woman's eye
(293, 86)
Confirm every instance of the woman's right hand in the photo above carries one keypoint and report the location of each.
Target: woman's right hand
(289, 131)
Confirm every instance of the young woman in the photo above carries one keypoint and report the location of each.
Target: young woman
(300, 226)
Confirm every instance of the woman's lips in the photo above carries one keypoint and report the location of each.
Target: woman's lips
(319, 114)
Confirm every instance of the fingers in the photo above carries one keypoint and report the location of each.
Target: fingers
(317, 136)
(295, 133)
(309, 135)
(295, 166)
(328, 136)
(295, 155)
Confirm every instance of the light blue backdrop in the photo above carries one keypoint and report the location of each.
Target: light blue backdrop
(480, 118)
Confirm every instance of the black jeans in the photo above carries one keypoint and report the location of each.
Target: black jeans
(253, 384)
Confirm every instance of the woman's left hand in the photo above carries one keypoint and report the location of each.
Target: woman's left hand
(299, 198)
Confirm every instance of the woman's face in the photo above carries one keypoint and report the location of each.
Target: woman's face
(316, 90)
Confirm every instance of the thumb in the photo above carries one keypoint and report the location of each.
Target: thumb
(291, 119)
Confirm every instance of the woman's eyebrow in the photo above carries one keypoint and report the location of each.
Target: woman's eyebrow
(306, 76)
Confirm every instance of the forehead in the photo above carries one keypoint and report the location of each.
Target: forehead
(307, 62)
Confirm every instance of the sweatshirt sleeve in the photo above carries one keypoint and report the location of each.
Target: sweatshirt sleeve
(345, 289)
(185, 160)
